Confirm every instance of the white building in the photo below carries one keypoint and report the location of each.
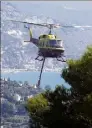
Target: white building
(17, 97)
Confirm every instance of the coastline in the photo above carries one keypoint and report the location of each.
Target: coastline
(9, 70)
(50, 78)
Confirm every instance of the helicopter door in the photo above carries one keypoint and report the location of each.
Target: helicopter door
(46, 43)
(43, 43)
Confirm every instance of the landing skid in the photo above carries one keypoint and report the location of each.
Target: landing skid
(62, 60)
(37, 58)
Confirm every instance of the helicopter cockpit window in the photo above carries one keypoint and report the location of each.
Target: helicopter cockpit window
(55, 43)
(60, 43)
(52, 43)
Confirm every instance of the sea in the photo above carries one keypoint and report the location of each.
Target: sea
(48, 78)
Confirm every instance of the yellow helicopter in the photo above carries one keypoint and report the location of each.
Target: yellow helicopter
(48, 44)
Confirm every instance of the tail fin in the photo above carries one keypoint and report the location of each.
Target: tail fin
(30, 32)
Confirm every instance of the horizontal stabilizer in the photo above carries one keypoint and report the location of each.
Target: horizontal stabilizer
(27, 41)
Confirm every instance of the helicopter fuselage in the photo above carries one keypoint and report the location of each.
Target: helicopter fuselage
(49, 46)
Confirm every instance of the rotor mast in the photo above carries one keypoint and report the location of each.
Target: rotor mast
(50, 29)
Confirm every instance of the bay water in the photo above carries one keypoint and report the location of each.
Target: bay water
(48, 78)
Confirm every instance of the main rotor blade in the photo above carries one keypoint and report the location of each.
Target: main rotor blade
(52, 25)
(76, 26)
(43, 25)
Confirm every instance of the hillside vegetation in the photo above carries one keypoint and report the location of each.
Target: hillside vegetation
(66, 107)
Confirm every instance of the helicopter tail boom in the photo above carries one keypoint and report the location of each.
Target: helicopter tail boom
(33, 40)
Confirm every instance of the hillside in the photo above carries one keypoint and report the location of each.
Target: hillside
(14, 95)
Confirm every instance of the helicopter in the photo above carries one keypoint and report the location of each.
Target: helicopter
(48, 44)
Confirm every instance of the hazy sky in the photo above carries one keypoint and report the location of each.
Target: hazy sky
(47, 5)
(52, 9)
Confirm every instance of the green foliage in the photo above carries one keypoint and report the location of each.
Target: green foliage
(67, 107)
(79, 76)
(36, 106)
(79, 73)
(37, 103)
